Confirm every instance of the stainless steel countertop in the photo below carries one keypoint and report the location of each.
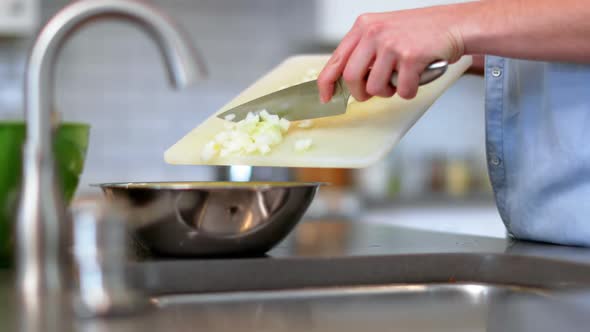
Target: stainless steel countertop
(338, 252)
(345, 238)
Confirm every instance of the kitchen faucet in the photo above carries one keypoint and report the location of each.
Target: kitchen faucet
(42, 226)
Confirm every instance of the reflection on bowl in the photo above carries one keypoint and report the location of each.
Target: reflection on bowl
(211, 218)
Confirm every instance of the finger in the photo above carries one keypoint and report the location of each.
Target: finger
(409, 78)
(336, 64)
(357, 68)
(379, 82)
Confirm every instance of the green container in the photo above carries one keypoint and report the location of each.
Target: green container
(71, 143)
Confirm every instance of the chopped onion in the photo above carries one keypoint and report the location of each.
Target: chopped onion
(209, 151)
(285, 124)
(257, 133)
(303, 144)
(311, 74)
(305, 124)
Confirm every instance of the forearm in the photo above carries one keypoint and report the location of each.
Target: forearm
(407, 41)
(550, 30)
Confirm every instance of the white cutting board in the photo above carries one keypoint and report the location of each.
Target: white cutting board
(356, 139)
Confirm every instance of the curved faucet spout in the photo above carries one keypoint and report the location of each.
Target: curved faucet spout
(41, 229)
(178, 54)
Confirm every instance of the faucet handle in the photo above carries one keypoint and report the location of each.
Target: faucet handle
(100, 260)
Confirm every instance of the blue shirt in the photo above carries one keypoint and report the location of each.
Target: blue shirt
(538, 148)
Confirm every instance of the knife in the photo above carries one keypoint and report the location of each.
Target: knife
(302, 101)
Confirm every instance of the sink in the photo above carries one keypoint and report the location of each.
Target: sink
(347, 276)
(468, 291)
(214, 276)
(412, 307)
(415, 292)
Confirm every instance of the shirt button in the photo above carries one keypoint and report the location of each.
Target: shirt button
(496, 72)
(495, 161)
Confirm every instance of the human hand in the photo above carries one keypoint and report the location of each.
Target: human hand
(406, 41)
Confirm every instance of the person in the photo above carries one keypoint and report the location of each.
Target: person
(535, 55)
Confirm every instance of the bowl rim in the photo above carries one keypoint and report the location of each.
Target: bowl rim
(206, 185)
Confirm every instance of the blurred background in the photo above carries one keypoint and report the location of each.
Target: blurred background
(110, 75)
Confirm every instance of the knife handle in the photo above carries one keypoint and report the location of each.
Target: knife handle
(432, 72)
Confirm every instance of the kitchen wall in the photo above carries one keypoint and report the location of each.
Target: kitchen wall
(111, 75)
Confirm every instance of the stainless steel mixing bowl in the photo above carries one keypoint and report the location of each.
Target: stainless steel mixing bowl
(211, 218)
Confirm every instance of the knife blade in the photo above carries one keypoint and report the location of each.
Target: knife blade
(302, 101)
